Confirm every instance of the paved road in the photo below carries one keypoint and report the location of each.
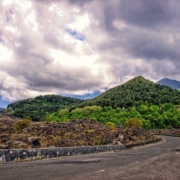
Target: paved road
(114, 165)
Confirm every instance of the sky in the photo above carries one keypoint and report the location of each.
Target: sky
(81, 48)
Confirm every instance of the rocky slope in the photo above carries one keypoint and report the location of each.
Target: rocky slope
(167, 132)
(68, 134)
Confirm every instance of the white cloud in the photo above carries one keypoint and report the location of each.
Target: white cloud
(80, 23)
(5, 54)
(77, 47)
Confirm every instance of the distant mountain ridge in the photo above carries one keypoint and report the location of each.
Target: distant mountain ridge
(169, 82)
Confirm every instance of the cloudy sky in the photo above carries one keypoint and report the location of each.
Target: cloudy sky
(83, 47)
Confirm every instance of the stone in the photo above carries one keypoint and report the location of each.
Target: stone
(121, 138)
(34, 141)
(22, 145)
(119, 143)
(17, 142)
(3, 146)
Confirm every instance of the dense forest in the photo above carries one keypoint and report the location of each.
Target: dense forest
(39, 107)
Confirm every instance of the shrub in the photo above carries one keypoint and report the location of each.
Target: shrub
(20, 125)
(41, 157)
(133, 122)
(110, 125)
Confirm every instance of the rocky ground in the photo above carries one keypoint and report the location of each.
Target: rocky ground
(167, 132)
(75, 133)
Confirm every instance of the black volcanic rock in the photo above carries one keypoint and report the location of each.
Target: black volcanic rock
(82, 132)
(170, 82)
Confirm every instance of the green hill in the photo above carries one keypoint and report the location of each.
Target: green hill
(137, 90)
(157, 106)
(40, 106)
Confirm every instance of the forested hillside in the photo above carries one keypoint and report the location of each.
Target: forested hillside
(39, 107)
(136, 91)
(157, 106)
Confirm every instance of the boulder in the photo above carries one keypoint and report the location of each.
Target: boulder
(117, 143)
(121, 138)
(34, 141)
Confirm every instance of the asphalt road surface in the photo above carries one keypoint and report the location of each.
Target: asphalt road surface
(157, 161)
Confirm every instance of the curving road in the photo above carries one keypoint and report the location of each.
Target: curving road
(157, 161)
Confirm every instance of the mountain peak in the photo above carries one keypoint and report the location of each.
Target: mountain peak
(135, 90)
(169, 82)
(138, 79)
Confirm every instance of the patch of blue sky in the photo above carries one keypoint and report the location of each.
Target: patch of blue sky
(85, 96)
(3, 103)
(76, 35)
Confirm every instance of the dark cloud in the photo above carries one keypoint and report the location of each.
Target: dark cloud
(152, 46)
(76, 2)
(71, 79)
(146, 13)
(150, 31)
(80, 2)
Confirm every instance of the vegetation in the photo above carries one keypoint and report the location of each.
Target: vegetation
(156, 106)
(138, 90)
(41, 157)
(22, 124)
(152, 116)
(133, 122)
(39, 107)
(110, 125)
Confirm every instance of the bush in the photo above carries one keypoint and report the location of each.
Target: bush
(41, 157)
(133, 122)
(20, 125)
(110, 125)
